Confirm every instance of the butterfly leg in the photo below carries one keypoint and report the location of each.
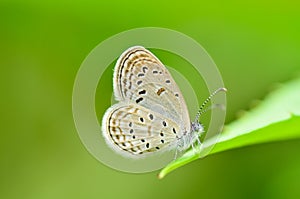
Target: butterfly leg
(194, 147)
(176, 153)
(197, 145)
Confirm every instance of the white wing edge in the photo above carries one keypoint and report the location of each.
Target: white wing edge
(106, 135)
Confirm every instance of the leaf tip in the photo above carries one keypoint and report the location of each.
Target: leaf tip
(161, 175)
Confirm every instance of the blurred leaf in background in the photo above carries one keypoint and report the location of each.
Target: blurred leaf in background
(255, 45)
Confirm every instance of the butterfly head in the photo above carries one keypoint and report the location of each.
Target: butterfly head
(197, 127)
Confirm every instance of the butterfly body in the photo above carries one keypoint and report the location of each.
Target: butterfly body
(151, 115)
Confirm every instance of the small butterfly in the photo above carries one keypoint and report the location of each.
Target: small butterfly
(151, 115)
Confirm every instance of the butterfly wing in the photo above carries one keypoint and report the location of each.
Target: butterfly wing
(141, 78)
(128, 127)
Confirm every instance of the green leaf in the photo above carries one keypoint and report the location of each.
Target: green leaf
(276, 118)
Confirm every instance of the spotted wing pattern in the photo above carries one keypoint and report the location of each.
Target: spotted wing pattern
(150, 105)
(138, 130)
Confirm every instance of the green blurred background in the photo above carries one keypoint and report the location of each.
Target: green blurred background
(255, 45)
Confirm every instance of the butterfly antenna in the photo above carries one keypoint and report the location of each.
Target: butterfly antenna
(201, 111)
(220, 106)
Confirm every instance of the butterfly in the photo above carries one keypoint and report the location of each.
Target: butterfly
(151, 115)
